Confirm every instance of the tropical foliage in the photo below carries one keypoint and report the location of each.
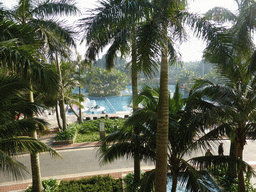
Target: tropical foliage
(116, 23)
(95, 183)
(48, 37)
(186, 134)
(233, 52)
(15, 113)
(104, 83)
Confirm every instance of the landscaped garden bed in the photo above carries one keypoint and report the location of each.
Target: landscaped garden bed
(92, 184)
(66, 137)
(88, 131)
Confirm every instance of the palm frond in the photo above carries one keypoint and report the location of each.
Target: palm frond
(220, 15)
(19, 144)
(117, 150)
(50, 8)
(51, 30)
(147, 183)
(120, 42)
(252, 64)
(192, 179)
(12, 167)
(148, 47)
(21, 127)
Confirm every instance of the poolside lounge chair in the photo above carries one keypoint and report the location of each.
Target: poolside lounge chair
(87, 119)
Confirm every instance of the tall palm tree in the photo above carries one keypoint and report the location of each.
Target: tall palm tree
(82, 66)
(156, 41)
(33, 14)
(41, 17)
(11, 143)
(186, 134)
(115, 23)
(233, 53)
(237, 96)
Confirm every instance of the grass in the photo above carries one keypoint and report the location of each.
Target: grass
(88, 137)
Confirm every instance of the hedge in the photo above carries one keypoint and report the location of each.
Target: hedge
(92, 184)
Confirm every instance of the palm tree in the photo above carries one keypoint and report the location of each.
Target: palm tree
(155, 42)
(238, 97)
(11, 143)
(115, 23)
(32, 14)
(234, 55)
(186, 133)
(152, 42)
(82, 65)
(41, 17)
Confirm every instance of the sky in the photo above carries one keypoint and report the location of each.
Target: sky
(191, 50)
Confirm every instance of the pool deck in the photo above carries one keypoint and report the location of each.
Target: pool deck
(71, 118)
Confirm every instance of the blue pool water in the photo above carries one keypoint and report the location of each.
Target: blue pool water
(112, 104)
(116, 103)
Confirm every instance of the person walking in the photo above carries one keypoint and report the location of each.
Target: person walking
(220, 149)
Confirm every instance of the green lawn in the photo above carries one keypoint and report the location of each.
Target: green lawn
(87, 137)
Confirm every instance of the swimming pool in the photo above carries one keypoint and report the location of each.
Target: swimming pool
(116, 103)
(112, 104)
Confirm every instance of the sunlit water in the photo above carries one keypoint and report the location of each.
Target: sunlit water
(112, 104)
(116, 103)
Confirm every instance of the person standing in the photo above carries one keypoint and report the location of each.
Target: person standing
(221, 150)
(208, 160)
(208, 153)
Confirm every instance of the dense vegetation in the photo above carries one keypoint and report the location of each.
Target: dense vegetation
(88, 131)
(96, 183)
(35, 45)
(101, 82)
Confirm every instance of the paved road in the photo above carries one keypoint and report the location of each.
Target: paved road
(77, 162)
(86, 160)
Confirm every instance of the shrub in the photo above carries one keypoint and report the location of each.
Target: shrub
(68, 134)
(129, 182)
(49, 185)
(96, 183)
(111, 125)
(229, 184)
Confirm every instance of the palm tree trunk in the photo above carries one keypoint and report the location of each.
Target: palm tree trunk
(135, 106)
(61, 101)
(77, 116)
(162, 121)
(80, 110)
(241, 184)
(57, 115)
(174, 182)
(232, 172)
(35, 167)
(34, 159)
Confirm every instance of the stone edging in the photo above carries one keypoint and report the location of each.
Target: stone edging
(63, 142)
